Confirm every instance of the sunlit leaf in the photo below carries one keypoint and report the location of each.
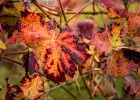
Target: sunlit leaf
(32, 87)
(2, 45)
(60, 54)
(115, 38)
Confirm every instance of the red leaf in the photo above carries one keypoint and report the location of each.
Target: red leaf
(86, 28)
(61, 54)
(101, 40)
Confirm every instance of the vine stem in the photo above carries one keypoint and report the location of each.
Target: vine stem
(86, 12)
(97, 86)
(69, 92)
(15, 53)
(2, 33)
(49, 8)
(41, 8)
(80, 71)
(63, 12)
(91, 1)
(12, 60)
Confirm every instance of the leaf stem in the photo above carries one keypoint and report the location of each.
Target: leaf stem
(2, 33)
(78, 12)
(69, 92)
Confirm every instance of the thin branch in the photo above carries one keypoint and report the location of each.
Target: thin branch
(41, 8)
(15, 53)
(97, 86)
(85, 12)
(69, 92)
(101, 91)
(63, 12)
(93, 6)
(49, 8)
(85, 83)
(52, 13)
(79, 11)
(79, 89)
(12, 60)
(2, 34)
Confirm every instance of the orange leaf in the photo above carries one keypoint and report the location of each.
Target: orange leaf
(61, 54)
(32, 87)
(133, 23)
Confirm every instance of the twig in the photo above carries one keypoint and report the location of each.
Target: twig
(79, 89)
(63, 12)
(49, 8)
(101, 91)
(85, 12)
(12, 60)
(116, 95)
(69, 92)
(40, 7)
(79, 12)
(2, 33)
(97, 84)
(52, 13)
(93, 6)
(85, 84)
(15, 53)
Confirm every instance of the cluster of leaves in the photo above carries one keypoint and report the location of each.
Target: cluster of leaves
(115, 47)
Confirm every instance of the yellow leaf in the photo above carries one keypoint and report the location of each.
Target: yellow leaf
(2, 45)
(115, 35)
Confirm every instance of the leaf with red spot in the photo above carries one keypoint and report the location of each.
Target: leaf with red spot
(61, 54)
(32, 87)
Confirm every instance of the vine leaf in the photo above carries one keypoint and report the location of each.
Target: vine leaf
(121, 62)
(133, 24)
(10, 12)
(60, 53)
(63, 55)
(32, 87)
(114, 7)
(115, 37)
(86, 28)
(108, 38)
(101, 40)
